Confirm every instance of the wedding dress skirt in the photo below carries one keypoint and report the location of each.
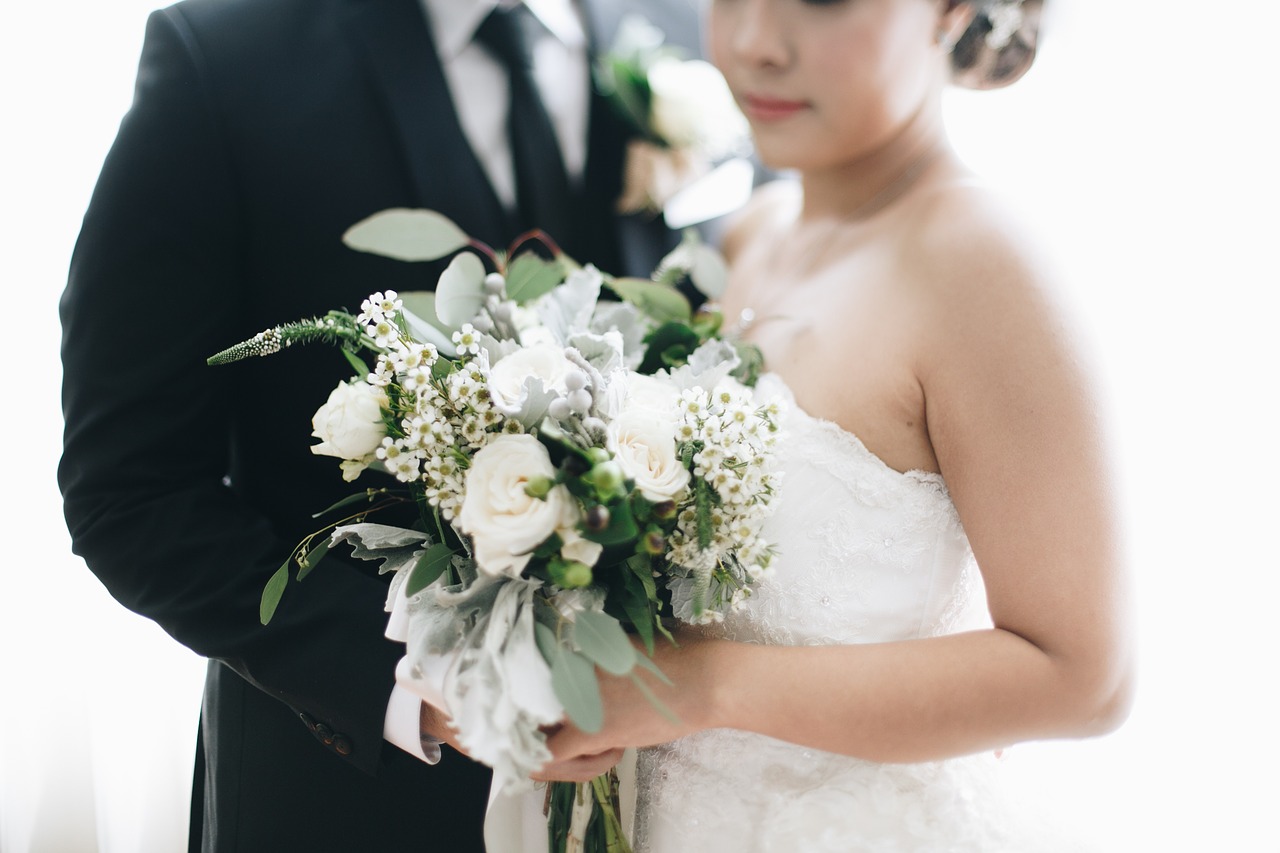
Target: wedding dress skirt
(865, 554)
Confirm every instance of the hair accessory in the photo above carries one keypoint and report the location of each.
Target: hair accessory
(1006, 19)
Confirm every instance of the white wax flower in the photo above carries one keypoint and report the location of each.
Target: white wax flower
(644, 446)
(506, 524)
(692, 106)
(544, 361)
(349, 424)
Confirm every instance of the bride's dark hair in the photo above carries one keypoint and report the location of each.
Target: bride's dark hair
(975, 64)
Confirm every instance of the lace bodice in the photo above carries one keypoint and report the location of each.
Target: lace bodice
(865, 554)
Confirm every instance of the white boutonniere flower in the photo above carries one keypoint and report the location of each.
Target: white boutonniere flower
(681, 111)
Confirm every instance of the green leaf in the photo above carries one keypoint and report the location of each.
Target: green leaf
(460, 291)
(313, 558)
(602, 639)
(573, 678)
(349, 500)
(640, 612)
(430, 566)
(530, 276)
(663, 340)
(648, 664)
(406, 235)
(424, 325)
(622, 527)
(709, 273)
(272, 592)
(640, 567)
(660, 301)
(654, 700)
(357, 363)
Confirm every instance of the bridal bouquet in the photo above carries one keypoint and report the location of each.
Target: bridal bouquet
(580, 470)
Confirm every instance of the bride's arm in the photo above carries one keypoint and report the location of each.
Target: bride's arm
(1015, 431)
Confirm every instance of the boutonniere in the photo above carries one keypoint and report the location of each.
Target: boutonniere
(681, 113)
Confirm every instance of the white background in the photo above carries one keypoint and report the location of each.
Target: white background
(1142, 144)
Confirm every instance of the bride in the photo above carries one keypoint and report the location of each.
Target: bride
(949, 579)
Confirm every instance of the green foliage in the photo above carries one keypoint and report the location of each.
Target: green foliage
(312, 558)
(602, 640)
(460, 290)
(273, 591)
(669, 345)
(573, 678)
(430, 566)
(659, 300)
(530, 276)
(406, 235)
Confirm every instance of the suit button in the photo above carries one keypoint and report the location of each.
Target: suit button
(324, 733)
(307, 721)
(341, 745)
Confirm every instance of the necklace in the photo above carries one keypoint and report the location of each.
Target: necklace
(747, 318)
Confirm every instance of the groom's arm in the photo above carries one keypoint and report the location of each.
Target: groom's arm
(156, 284)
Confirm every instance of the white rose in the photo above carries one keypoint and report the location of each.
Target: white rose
(543, 361)
(692, 106)
(644, 445)
(653, 395)
(349, 425)
(577, 547)
(504, 523)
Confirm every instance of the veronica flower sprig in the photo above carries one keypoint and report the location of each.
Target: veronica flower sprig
(336, 327)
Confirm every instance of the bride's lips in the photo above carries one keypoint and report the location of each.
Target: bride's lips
(766, 109)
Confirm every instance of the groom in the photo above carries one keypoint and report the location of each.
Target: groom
(261, 130)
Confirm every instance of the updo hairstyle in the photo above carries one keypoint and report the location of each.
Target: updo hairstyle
(976, 63)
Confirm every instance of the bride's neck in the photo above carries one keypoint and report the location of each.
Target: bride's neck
(860, 187)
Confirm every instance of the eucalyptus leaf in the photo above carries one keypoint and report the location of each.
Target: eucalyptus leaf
(654, 700)
(601, 638)
(708, 271)
(573, 678)
(419, 310)
(357, 363)
(273, 591)
(430, 566)
(313, 558)
(406, 235)
(530, 276)
(460, 291)
(660, 301)
(648, 664)
(349, 500)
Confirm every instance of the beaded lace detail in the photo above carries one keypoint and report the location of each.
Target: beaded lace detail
(865, 554)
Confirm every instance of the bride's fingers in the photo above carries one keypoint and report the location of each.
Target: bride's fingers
(582, 768)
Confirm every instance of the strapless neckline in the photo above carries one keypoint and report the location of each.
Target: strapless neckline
(772, 385)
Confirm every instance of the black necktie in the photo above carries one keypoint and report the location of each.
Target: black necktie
(542, 185)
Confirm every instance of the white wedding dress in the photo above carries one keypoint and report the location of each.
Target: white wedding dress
(865, 555)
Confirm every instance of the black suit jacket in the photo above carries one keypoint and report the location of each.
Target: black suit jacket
(261, 130)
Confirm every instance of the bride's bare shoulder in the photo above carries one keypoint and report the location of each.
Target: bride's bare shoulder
(770, 204)
(969, 246)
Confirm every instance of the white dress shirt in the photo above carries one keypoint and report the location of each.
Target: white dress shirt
(478, 85)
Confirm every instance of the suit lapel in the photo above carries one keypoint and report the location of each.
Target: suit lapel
(394, 40)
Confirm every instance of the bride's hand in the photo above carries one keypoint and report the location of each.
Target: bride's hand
(434, 728)
(631, 720)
